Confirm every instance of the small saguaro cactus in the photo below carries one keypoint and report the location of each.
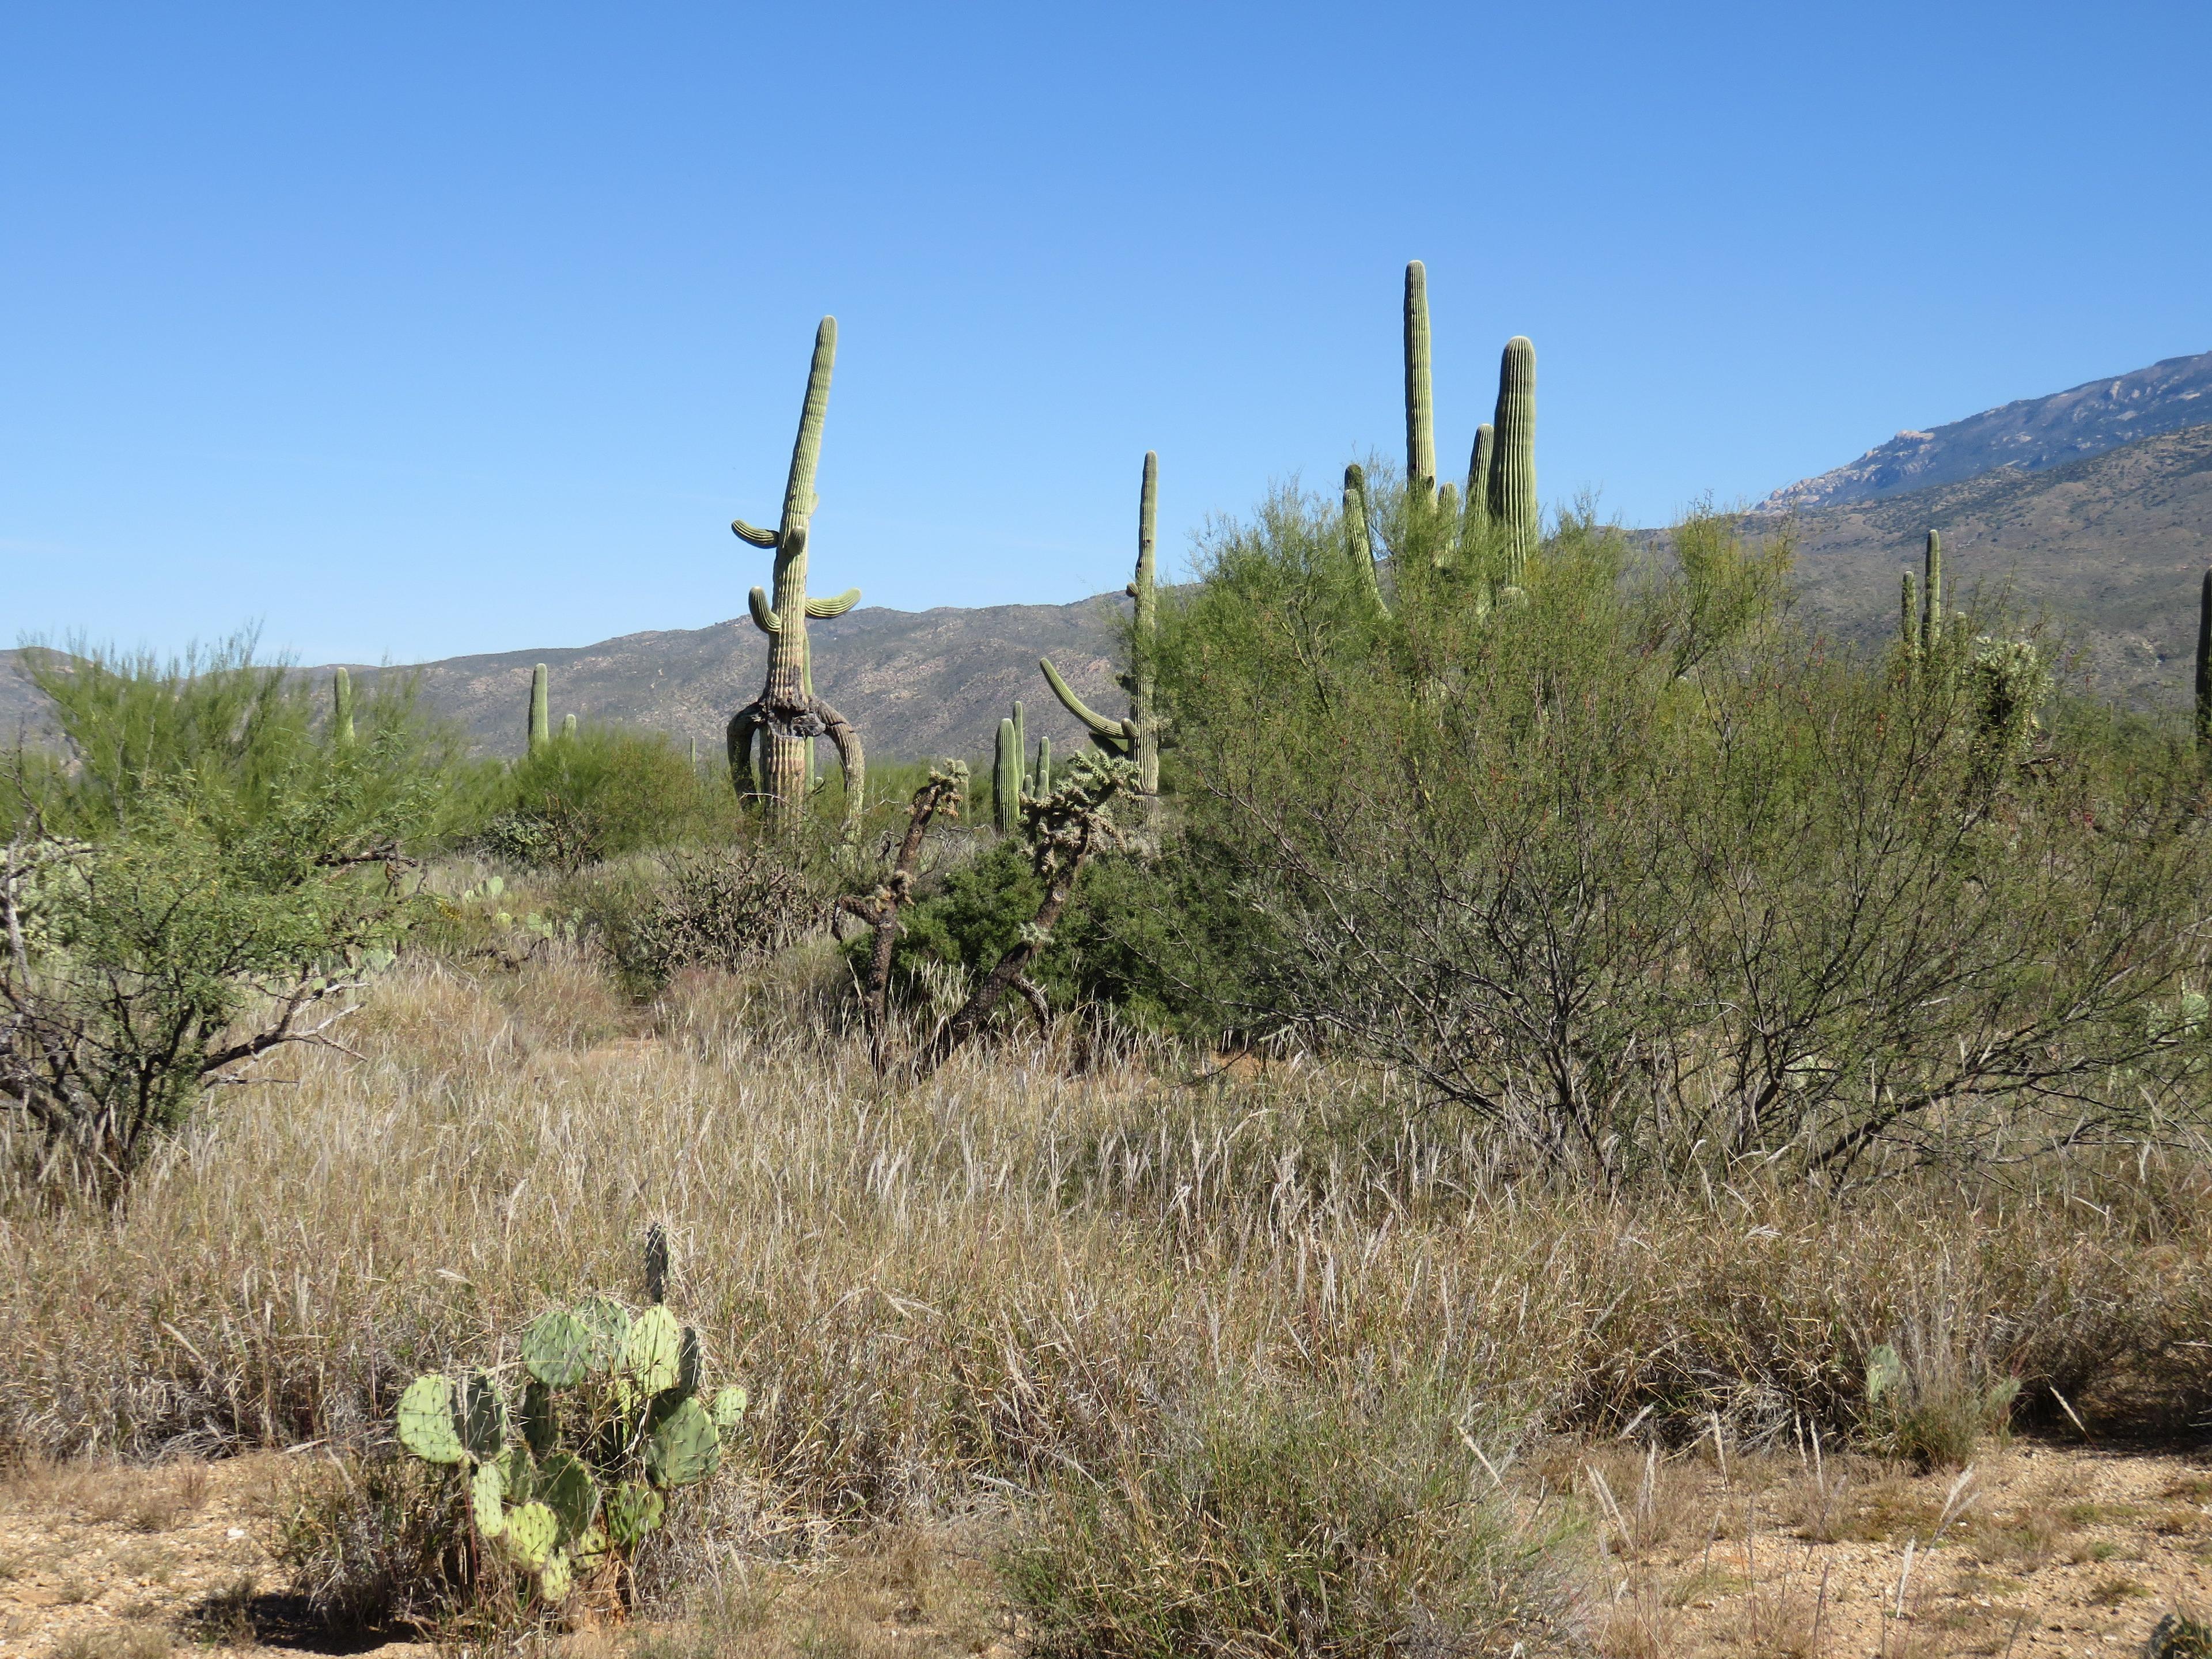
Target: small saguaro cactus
(568, 728)
(1512, 483)
(1006, 778)
(342, 710)
(1908, 618)
(1358, 535)
(1478, 471)
(1137, 737)
(787, 715)
(540, 724)
(1420, 402)
(567, 1479)
(1041, 774)
(2205, 668)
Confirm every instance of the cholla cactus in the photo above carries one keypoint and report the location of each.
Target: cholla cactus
(611, 1421)
(787, 716)
(2009, 684)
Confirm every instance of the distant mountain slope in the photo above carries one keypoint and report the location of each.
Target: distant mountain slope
(2028, 436)
(2111, 548)
(915, 683)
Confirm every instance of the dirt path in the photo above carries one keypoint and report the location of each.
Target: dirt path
(2040, 1552)
(2034, 1551)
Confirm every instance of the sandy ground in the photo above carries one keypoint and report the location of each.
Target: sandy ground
(2039, 1549)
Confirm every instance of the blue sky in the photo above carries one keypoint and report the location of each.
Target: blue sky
(413, 331)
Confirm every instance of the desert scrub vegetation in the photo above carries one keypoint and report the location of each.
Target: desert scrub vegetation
(1624, 864)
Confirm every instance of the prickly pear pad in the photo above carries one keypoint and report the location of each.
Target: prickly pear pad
(685, 1448)
(427, 1425)
(556, 1349)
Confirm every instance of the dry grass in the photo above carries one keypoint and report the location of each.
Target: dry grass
(1013, 1273)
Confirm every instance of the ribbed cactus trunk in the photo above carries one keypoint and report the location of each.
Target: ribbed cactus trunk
(541, 723)
(1908, 618)
(342, 710)
(1358, 535)
(1420, 404)
(1041, 774)
(1142, 668)
(1007, 779)
(1137, 737)
(787, 715)
(2205, 668)
(1478, 471)
(1512, 489)
(1932, 593)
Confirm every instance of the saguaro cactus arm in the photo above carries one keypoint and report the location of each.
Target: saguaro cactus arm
(823, 610)
(764, 616)
(1115, 736)
(752, 533)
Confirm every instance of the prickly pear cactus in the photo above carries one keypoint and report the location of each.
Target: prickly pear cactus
(685, 1448)
(652, 1352)
(426, 1424)
(556, 1349)
(729, 1408)
(488, 1498)
(612, 1419)
(634, 1509)
(532, 1532)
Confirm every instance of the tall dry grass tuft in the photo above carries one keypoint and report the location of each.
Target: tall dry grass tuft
(1011, 1274)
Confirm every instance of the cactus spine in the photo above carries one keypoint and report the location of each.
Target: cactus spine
(2205, 668)
(1139, 736)
(1006, 778)
(541, 725)
(788, 713)
(1512, 485)
(1420, 404)
(342, 710)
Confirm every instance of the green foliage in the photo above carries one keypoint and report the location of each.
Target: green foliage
(596, 796)
(610, 1424)
(235, 739)
(1637, 871)
(725, 905)
(203, 928)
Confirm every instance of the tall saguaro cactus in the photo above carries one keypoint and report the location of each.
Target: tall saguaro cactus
(1006, 778)
(787, 714)
(540, 724)
(1512, 482)
(1420, 402)
(1139, 736)
(342, 710)
(1359, 537)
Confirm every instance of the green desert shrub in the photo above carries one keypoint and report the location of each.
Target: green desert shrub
(597, 795)
(1631, 868)
(1268, 1517)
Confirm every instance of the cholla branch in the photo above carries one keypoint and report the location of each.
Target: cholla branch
(946, 788)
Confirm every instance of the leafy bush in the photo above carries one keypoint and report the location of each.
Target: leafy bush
(1637, 873)
(1270, 1518)
(204, 881)
(597, 795)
